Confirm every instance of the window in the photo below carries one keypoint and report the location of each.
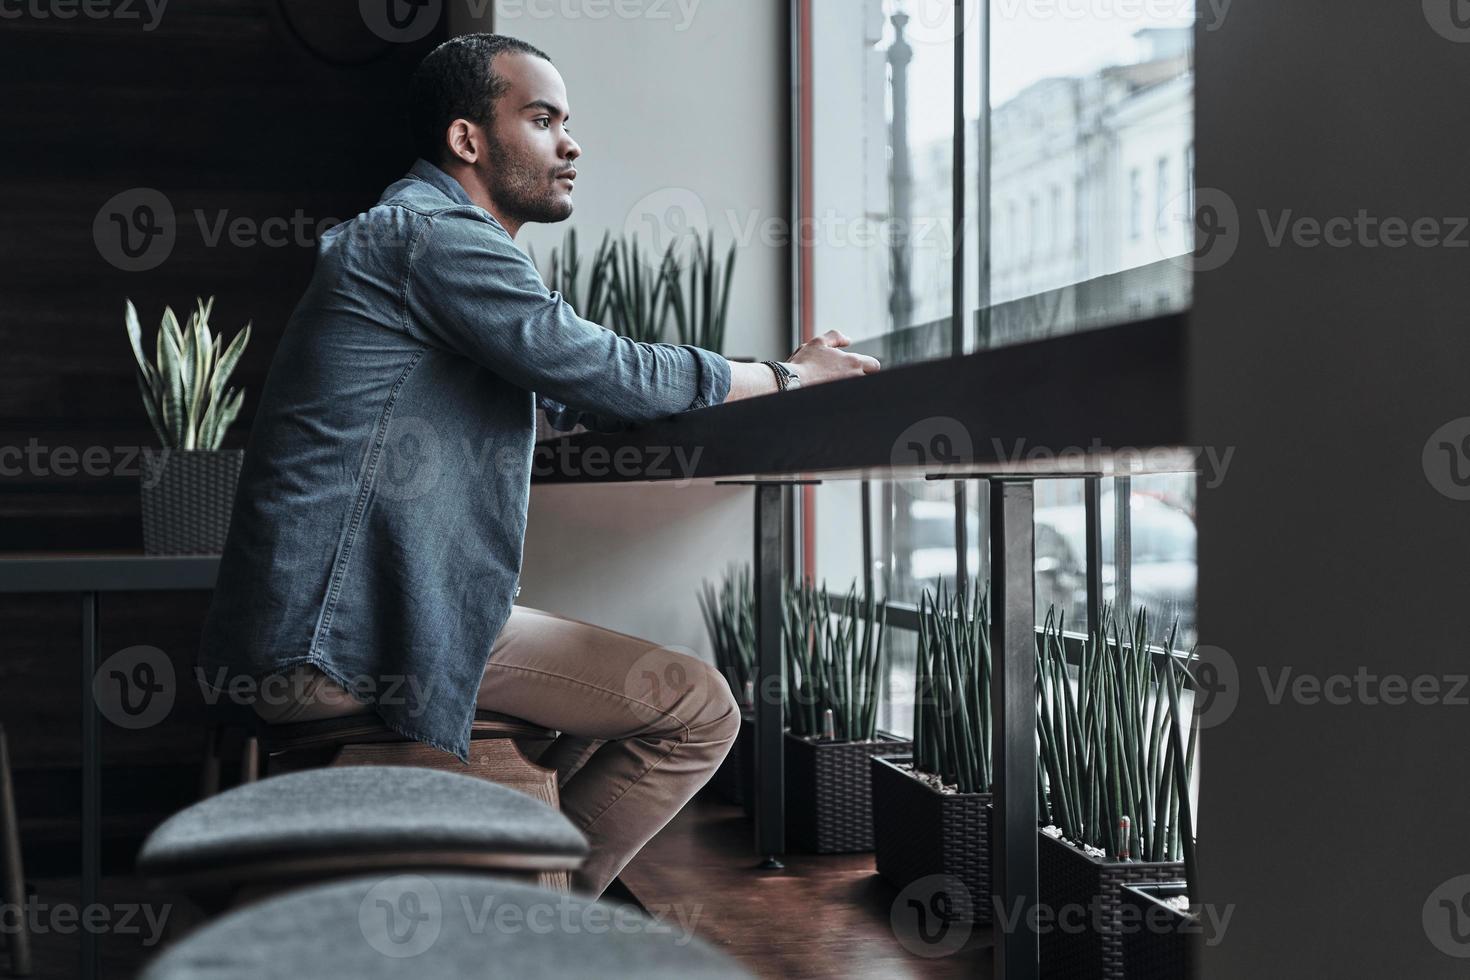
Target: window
(881, 151)
(1135, 203)
(1161, 197)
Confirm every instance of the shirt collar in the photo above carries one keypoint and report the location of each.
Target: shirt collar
(430, 174)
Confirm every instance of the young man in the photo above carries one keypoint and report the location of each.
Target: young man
(375, 546)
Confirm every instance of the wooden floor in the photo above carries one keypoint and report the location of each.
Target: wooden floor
(823, 916)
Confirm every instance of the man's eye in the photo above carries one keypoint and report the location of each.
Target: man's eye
(544, 119)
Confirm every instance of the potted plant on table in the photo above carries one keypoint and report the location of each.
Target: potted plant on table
(834, 665)
(931, 811)
(729, 618)
(188, 491)
(1114, 799)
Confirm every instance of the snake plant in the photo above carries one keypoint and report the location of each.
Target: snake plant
(185, 393)
(729, 617)
(834, 662)
(629, 294)
(952, 729)
(1115, 763)
(699, 313)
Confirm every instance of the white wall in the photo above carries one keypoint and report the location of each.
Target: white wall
(681, 117)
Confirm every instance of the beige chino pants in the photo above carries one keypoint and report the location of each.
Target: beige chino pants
(656, 722)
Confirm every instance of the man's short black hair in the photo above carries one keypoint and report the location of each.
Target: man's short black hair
(454, 81)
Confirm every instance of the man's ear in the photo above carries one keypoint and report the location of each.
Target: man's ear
(466, 141)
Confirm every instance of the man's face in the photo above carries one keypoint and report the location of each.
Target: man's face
(530, 148)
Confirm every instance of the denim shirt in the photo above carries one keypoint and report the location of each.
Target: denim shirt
(378, 522)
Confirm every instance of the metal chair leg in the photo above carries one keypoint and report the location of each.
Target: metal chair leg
(14, 882)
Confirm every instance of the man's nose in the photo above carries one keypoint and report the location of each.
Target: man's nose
(570, 150)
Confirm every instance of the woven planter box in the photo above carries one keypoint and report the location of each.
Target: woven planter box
(829, 800)
(187, 496)
(732, 781)
(1088, 893)
(1158, 941)
(919, 831)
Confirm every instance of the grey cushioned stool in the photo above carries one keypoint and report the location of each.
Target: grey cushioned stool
(307, 826)
(450, 925)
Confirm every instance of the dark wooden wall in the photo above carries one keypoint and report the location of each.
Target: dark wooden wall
(252, 109)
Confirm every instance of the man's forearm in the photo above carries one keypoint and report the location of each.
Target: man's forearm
(748, 380)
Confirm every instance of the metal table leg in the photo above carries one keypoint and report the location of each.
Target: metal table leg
(1013, 710)
(91, 788)
(770, 694)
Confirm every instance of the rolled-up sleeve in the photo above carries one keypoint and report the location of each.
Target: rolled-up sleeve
(472, 291)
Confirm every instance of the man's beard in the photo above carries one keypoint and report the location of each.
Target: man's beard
(523, 191)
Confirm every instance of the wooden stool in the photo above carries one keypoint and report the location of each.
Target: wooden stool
(14, 893)
(363, 739)
(300, 827)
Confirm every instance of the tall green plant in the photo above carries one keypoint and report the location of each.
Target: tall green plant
(952, 721)
(1109, 745)
(638, 307)
(729, 618)
(566, 276)
(699, 311)
(833, 661)
(185, 393)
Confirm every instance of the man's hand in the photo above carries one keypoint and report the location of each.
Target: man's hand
(821, 359)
